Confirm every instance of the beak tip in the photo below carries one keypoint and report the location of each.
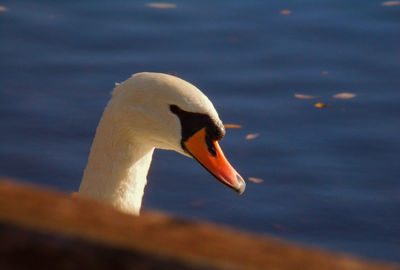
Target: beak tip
(241, 184)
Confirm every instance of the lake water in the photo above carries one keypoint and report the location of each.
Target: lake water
(331, 175)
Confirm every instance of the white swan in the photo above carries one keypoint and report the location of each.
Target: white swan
(148, 111)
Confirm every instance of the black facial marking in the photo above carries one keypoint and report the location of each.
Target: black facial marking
(193, 122)
(210, 146)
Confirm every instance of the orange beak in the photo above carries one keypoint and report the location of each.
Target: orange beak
(209, 154)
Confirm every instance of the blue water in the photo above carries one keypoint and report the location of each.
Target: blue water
(331, 175)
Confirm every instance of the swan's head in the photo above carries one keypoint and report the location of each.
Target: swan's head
(169, 113)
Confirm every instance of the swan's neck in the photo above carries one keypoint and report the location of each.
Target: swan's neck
(117, 168)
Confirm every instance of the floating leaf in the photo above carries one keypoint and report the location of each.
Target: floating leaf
(285, 12)
(232, 126)
(3, 9)
(252, 136)
(161, 5)
(255, 180)
(302, 96)
(344, 95)
(320, 105)
(390, 3)
(197, 203)
(281, 227)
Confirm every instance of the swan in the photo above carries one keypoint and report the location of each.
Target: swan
(148, 111)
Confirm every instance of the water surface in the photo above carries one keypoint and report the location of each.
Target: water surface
(331, 175)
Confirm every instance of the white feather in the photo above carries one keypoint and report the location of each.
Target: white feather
(135, 122)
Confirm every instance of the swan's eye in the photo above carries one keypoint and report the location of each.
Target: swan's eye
(192, 122)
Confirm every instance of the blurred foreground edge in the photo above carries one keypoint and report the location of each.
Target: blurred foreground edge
(41, 229)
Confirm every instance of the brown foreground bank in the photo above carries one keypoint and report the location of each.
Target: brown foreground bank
(40, 229)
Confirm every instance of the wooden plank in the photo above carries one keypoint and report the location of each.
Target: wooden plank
(23, 248)
(153, 237)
